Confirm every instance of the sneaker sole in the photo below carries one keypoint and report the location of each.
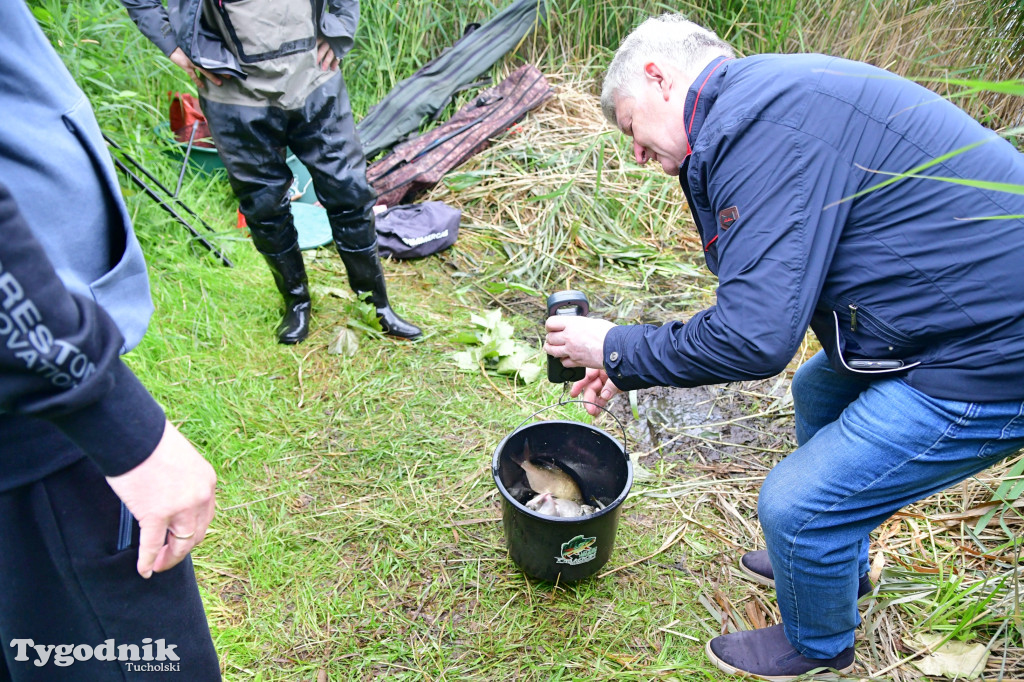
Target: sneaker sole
(756, 577)
(726, 668)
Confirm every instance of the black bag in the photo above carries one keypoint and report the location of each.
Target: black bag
(417, 230)
(419, 163)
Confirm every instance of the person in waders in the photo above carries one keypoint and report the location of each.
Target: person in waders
(268, 77)
(911, 287)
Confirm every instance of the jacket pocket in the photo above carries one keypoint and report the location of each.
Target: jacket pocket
(123, 290)
(866, 346)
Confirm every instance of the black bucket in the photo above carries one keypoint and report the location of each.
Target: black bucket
(558, 549)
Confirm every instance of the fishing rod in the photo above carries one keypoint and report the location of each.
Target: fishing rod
(161, 201)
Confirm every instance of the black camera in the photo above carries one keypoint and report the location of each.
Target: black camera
(566, 303)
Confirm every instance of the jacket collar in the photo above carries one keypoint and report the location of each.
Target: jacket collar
(699, 99)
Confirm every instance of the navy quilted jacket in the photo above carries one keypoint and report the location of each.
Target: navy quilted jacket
(914, 279)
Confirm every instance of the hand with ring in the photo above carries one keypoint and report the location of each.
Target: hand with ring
(170, 492)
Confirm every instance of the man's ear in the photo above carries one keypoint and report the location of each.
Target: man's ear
(659, 77)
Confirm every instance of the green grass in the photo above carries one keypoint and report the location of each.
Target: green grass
(358, 529)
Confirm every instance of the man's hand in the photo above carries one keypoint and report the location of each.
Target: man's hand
(596, 388)
(577, 341)
(325, 56)
(171, 494)
(194, 72)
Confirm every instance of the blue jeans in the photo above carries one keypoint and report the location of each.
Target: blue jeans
(865, 450)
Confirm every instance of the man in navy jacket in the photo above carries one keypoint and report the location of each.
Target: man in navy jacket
(84, 447)
(791, 167)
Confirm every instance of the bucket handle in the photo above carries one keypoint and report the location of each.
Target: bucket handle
(562, 401)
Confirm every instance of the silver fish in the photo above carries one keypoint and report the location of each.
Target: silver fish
(550, 505)
(549, 478)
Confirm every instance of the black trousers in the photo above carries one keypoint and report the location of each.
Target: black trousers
(252, 141)
(65, 584)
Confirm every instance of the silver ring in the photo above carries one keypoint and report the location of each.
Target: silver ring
(181, 537)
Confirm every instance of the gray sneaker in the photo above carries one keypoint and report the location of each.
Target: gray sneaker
(766, 654)
(758, 567)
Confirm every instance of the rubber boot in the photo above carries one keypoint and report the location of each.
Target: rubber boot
(290, 277)
(365, 276)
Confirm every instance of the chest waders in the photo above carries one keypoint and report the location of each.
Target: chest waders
(320, 131)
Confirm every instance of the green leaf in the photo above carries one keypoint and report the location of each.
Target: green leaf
(1012, 488)
(1008, 492)
(503, 330)
(1013, 87)
(344, 343)
(489, 350)
(506, 347)
(495, 346)
(363, 314)
(518, 363)
(42, 15)
(909, 173)
(981, 184)
(552, 195)
(509, 364)
(996, 217)
(502, 287)
(467, 360)
(458, 182)
(493, 317)
(529, 372)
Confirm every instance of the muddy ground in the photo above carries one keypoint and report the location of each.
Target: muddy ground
(742, 426)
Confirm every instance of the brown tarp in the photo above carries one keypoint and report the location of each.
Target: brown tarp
(420, 163)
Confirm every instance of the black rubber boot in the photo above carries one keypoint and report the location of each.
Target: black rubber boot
(365, 276)
(290, 277)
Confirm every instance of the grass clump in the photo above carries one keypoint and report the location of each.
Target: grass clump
(358, 532)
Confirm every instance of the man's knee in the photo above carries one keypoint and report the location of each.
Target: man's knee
(345, 192)
(265, 204)
(778, 504)
(269, 219)
(809, 379)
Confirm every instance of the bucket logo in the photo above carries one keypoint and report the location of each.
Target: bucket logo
(577, 551)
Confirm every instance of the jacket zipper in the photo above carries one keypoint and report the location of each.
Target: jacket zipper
(124, 531)
(853, 317)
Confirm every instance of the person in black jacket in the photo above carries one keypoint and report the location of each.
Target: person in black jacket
(912, 288)
(101, 497)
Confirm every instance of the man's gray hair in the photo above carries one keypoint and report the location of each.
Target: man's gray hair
(670, 38)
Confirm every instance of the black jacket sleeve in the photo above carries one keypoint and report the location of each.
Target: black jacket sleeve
(151, 18)
(59, 357)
